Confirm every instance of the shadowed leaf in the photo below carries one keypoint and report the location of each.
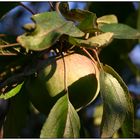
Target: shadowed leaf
(117, 105)
(86, 19)
(16, 116)
(128, 125)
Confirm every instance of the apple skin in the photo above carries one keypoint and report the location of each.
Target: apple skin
(81, 80)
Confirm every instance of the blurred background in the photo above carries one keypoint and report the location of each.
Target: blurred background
(125, 59)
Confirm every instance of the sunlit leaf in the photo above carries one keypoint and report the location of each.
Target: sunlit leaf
(49, 27)
(93, 42)
(107, 19)
(62, 122)
(118, 107)
(121, 31)
(16, 116)
(12, 92)
(97, 115)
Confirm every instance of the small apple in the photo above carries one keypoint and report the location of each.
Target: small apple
(49, 85)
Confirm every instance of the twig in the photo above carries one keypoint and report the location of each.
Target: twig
(98, 60)
(57, 7)
(51, 5)
(65, 69)
(88, 55)
(9, 45)
(27, 8)
(8, 54)
(65, 73)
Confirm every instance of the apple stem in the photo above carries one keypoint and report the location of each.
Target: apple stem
(98, 60)
(65, 73)
(89, 55)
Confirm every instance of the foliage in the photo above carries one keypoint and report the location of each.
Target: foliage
(51, 37)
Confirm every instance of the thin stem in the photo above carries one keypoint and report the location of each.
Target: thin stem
(88, 55)
(9, 45)
(93, 61)
(87, 36)
(65, 69)
(65, 73)
(51, 6)
(8, 54)
(98, 60)
(57, 7)
(27, 8)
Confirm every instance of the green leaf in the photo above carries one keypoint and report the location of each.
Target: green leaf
(93, 42)
(121, 31)
(118, 107)
(12, 92)
(97, 115)
(73, 14)
(88, 22)
(62, 122)
(107, 19)
(16, 116)
(128, 125)
(86, 18)
(49, 27)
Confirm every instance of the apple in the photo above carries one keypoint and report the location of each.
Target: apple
(81, 80)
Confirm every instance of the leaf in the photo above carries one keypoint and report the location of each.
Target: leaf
(107, 19)
(121, 31)
(62, 122)
(128, 125)
(88, 23)
(118, 108)
(86, 18)
(73, 14)
(97, 115)
(114, 109)
(93, 42)
(16, 116)
(49, 27)
(12, 92)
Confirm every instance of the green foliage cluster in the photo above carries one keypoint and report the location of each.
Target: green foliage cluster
(60, 33)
